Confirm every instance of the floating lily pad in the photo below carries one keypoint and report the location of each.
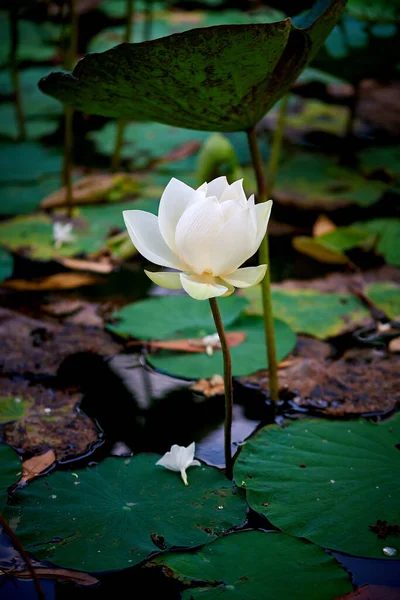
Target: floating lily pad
(310, 311)
(13, 409)
(314, 181)
(248, 357)
(317, 115)
(6, 264)
(18, 199)
(34, 129)
(146, 142)
(10, 468)
(316, 248)
(35, 104)
(114, 515)
(27, 161)
(33, 234)
(326, 481)
(250, 565)
(176, 317)
(216, 78)
(385, 296)
(37, 41)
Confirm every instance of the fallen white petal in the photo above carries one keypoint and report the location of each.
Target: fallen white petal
(179, 459)
(165, 279)
(246, 277)
(145, 234)
(202, 288)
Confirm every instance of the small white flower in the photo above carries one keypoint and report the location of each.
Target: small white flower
(179, 459)
(62, 234)
(206, 234)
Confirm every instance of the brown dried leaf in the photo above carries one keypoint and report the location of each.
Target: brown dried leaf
(88, 190)
(372, 592)
(35, 465)
(59, 281)
(103, 266)
(209, 387)
(234, 338)
(59, 574)
(394, 345)
(323, 225)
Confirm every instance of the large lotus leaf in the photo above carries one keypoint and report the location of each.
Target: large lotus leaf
(217, 78)
(310, 311)
(326, 481)
(33, 234)
(114, 515)
(17, 199)
(6, 264)
(35, 104)
(10, 468)
(145, 142)
(358, 49)
(34, 129)
(247, 357)
(27, 161)
(37, 41)
(386, 296)
(314, 181)
(169, 317)
(250, 565)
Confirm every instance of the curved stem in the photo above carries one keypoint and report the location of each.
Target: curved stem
(19, 548)
(13, 61)
(119, 139)
(228, 387)
(276, 146)
(263, 252)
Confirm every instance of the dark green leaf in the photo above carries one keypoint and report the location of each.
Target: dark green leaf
(326, 481)
(251, 565)
(114, 515)
(10, 468)
(6, 264)
(222, 78)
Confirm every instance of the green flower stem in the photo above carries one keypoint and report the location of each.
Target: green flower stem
(263, 254)
(121, 123)
(69, 60)
(228, 387)
(277, 139)
(13, 62)
(20, 549)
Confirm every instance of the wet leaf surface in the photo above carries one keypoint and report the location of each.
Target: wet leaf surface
(10, 468)
(214, 572)
(326, 481)
(147, 508)
(241, 86)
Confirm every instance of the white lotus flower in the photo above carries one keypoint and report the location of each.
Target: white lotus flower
(205, 233)
(179, 459)
(62, 234)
